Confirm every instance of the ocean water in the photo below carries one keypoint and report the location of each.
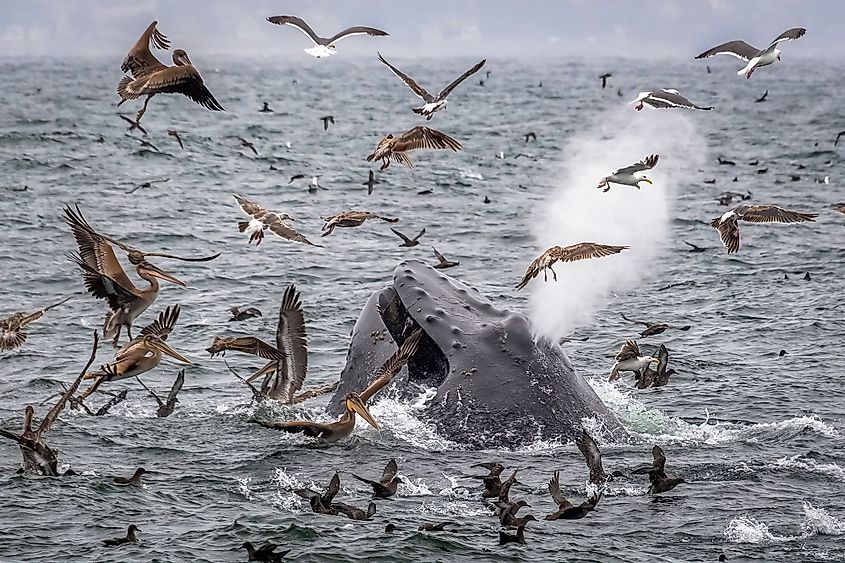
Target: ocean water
(758, 436)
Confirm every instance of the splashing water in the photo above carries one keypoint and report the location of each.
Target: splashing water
(818, 521)
(744, 529)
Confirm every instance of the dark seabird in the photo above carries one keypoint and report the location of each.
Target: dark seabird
(530, 136)
(629, 358)
(838, 135)
(649, 377)
(322, 503)
(266, 553)
(131, 537)
(13, 329)
(243, 314)
(604, 78)
(694, 247)
(265, 108)
(619, 92)
(566, 510)
(728, 223)
(107, 406)
(133, 124)
(653, 329)
(432, 103)
(134, 480)
(630, 175)
(762, 98)
(387, 485)
(350, 219)
(165, 408)
(840, 207)
(390, 528)
(726, 198)
(762, 170)
(443, 263)
(751, 55)
(492, 481)
(435, 527)
(175, 134)
(713, 181)
(807, 277)
(407, 242)
(665, 98)
(505, 538)
(504, 509)
(262, 219)
(147, 184)
(505, 489)
(326, 119)
(782, 353)
(248, 145)
(416, 138)
(296, 177)
(324, 47)
(517, 522)
(725, 161)
(487, 199)
(754, 162)
(572, 253)
(353, 512)
(660, 482)
(148, 145)
(371, 182)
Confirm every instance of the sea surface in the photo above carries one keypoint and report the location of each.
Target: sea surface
(758, 436)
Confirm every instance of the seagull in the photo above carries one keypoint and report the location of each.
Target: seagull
(133, 124)
(371, 182)
(314, 185)
(572, 253)
(753, 56)
(432, 103)
(266, 108)
(653, 329)
(629, 359)
(261, 219)
(530, 136)
(350, 219)
(762, 98)
(603, 79)
(838, 135)
(728, 223)
(147, 184)
(324, 47)
(175, 134)
(630, 175)
(326, 119)
(443, 263)
(419, 137)
(664, 98)
(248, 145)
(408, 242)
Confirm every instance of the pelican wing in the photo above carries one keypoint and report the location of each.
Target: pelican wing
(775, 214)
(629, 351)
(392, 366)
(356, 30)
(102, 286)
(178, 79)
(95, 250)
(424, 138)
(291, 341)
(299, 24)
(647, 163)
(307, 427)
(140, 60)
(788, 35)
(445, 91)
(592, 454)
(554, 490)
(254, 347)
(738, 49)
(728, 233)
(163, 325)
(69, 392)
(409, 82)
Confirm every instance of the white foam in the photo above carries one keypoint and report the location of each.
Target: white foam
(401, 419)
(412, 488)
(798, 462)
(818, 521)
(745, 529)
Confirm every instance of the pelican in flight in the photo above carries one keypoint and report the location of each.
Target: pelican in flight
(323, 46)
(728, 223)
(141, 354)
(261, 219)
(150, 76)
(432, 103)
(572, 253)
(13, 329)
(355, 402)
(105, 278)
(419, 137)
(287, 361)
(753, 56)
(630, 175)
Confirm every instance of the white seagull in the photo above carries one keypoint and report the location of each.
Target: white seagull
(629, 359)
(664, 98)
(432, 103)
(728, 223)
(630, 175)
(324, 47)
(753, 56)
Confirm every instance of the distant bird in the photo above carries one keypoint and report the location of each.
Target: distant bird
(762, 98)
(694, 247)
(387, 485)
(133, 124)
(131, 537)
(751, 55)
(134, 480)
(326, 119)
(243, 314)
(659, 377)
(505, 489)
(713, 181)
(487, 199)
(838, 135)
(407, 242)
(175, 135)
(435, 527)
(619, 92)
(629, 358)
(147, 184)
(530, 136)
(443, 263)
(506, 538)
(566, 510)
(754, 162)
(324, 47)
(630, 175)
(350, 219)
(261, 219)
(725, 161)
(604, 78)
(371, 182)
(572, 253)
(708, 68)
(296, 177)
(728, 223)
(653, 329)
(166, 408)
(148, 145)
(265, 554)
(265, 108)
(248, 145)
(390, 528)
(507, 513)
(762, 170)
(314, 184)
(432, 103)
(13, 329)
(665, 98)
(660, 482)
(488, 73)
(840, 207)
(419, 137)
(726, 198)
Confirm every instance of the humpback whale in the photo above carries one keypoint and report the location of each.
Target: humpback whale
(496, 386)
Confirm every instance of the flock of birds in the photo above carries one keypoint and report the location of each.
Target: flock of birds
(283, 374)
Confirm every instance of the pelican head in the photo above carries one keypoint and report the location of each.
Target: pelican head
(180, 57)
(356, 405)
(150, 270)
(218, 346)
(155, 343)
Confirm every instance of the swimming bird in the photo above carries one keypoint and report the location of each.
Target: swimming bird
(243, 314)
(751, 55)
(838, 135)
(265, 108)
(726, 198)
(266, 553)
(725, 161)
(370, 183)
(355, 402)
(141, 354)
(324, 47)
(492, 481)
(37, 456)
(314, 185)
(322, 503)
(133, 124)
(248, 145)
(407, 242)
(419, 137)
(630, 175)
(660, 482)
(653, 329)
(350, 219)
(442, 262)
(165, 408)
(432, 103)
(728, 223)
(505, 538)
(694, 247)
(530, 136)
(353, 512)
(572, 253)
(762, 98)
(597, 477)
(389, 482)
(261, 219)
(649, 377)
(629, 359)
(435, 527)
(665, 98)
(134, 480)
(326, 119)
(175, 134)
(131, 537)
(390, 528)
(13, 329)
(604, 78)
(147, 184)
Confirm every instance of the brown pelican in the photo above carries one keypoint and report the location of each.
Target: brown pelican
(566, 510)
(419, 137)
(37, 455)
(141, 354)
(134, 480)
(105, 278)
(728, 223)
(165, 408)
(630, 175)
(660, 482)
(408, 242)
(350, 219)
(653, 329)
(442, 262)
(261, 219)
(572, 253)
(629, 359)
(13, 329)
(751, 55)
(150, 76)
(355, 402)
(131, 537)
(432, 103)
(266, 553)
(287, 365)
(324, 47)
(387, 485)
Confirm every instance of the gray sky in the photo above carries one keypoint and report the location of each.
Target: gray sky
(494, 28)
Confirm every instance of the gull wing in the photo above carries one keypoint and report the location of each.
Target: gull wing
(738, 49)
(672, 99)
(32, 317)
(299, 24)
(424, 138)
(728, 233)
(647, 163)
(775, 214)
(445, 91)
(587, 250)
(356, 30)
(629, 351)
(409, 82)
(788, 35)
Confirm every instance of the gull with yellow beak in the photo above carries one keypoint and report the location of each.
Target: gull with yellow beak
(629, 358)
(630, 175)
